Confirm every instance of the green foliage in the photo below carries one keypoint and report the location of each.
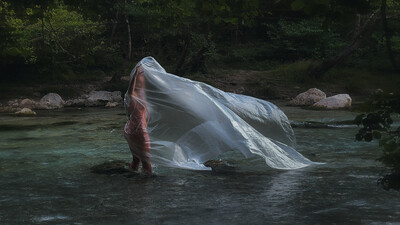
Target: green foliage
(60, 43)
(185, 32)
(373, 54)
(64, 40)
(304, 38)
(377, 125)
(333, 7)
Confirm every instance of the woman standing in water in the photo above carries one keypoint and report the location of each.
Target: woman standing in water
(135, 129)
(192, 122)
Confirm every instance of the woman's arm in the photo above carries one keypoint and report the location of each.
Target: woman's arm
(132, 88)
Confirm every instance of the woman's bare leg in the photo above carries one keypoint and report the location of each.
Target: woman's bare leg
(135, 163)
(146, 148)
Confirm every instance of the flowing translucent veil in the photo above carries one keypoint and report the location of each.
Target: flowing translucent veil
(190, 122)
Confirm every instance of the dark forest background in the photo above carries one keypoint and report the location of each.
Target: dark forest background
(54, 40)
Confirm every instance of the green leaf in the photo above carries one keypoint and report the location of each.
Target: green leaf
(368, 137)
(376, 134)
(358, 119)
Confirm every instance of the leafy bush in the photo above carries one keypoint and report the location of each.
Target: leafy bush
(60, 44)
(305, 38)
(378, 125)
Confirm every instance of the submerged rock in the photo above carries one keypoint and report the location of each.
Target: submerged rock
(101, 98)
(316, 124)
(308, 98)
(25, 112)
(340, 101)
(119, 167)
(51, 101)
(113, 167)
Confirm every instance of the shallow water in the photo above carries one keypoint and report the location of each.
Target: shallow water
(45, 178)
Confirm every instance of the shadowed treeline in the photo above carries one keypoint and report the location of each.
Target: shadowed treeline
(70, 39)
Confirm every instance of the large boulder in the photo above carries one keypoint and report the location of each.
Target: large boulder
(25, 112)
(340, 101)
(307, 98)
(101, 98)
(51, 101)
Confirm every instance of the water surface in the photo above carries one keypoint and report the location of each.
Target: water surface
(45, 178)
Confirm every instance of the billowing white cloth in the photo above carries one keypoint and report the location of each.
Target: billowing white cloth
(190, 122)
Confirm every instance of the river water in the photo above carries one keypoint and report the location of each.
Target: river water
(45, 177)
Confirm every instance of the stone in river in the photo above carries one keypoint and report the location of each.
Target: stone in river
(340, 101)
(307, 98)
(26, 112)
(51, 101)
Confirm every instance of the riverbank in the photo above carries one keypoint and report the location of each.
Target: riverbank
(280, 84)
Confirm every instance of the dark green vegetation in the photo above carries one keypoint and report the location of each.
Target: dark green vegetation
(378, 124)
(69, 40)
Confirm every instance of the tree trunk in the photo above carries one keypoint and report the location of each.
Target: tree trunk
(357, 25)
(117, 75)
(360, 34)
(114, 28)
(387, 35)
(42, 20)
(128, 28)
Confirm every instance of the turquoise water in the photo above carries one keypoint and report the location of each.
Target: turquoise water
(45, 178)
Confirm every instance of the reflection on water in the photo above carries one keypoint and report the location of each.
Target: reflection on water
(45, 178)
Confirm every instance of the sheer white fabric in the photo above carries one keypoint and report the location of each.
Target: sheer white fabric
(190, 122)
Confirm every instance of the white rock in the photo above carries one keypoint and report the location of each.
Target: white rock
(26, 112)
(51, 101)
(339, 101)
(100, 98)
(309, 97)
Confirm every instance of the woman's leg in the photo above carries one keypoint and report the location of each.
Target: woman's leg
(139, 144)
(146, 152)
(135, 163)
